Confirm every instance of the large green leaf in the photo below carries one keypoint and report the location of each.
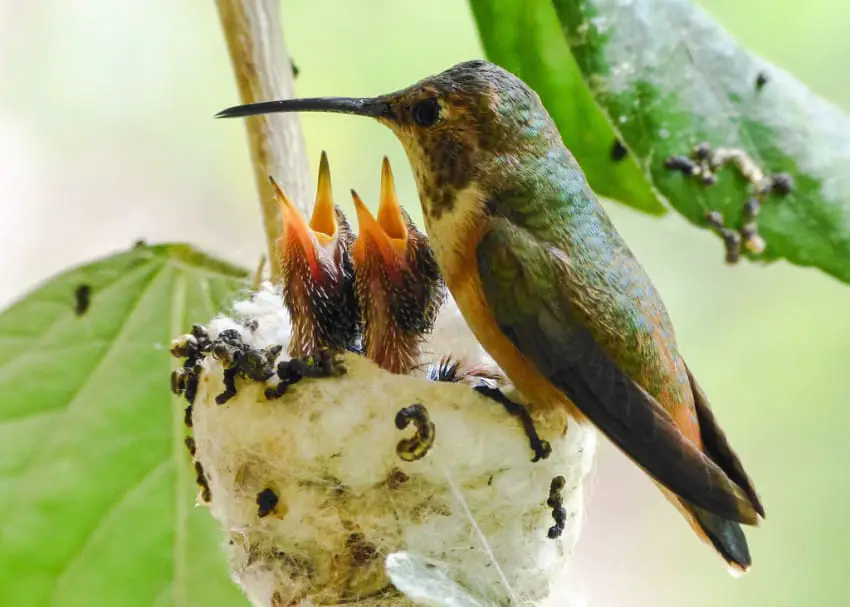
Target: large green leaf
(669, 77)
(96, 486)
(525, 38)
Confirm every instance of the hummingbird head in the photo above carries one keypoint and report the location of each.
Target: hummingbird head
(317, 272)
(470, 123)
(459, 126)
(398, 282)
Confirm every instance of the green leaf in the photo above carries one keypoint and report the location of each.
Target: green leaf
(524, 37)
(669, 77)
(96, 486)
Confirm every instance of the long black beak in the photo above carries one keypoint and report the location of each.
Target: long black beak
(375, 107)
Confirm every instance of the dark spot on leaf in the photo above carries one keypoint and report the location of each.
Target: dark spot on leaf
(783, 184)
(683, 164)
(618, 151)
(714, 219)
(750, 210)
(731, 238)
(761, 80)
(702, 151)
(82, 298)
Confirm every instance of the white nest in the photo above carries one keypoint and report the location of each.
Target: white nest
(474, 508)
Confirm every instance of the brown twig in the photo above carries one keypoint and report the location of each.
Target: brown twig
(263, 72)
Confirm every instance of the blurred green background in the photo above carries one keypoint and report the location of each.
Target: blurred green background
(106, 136)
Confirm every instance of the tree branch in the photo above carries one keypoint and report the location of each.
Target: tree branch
(263, 71)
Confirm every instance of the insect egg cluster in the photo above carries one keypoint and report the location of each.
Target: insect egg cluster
(704, 164)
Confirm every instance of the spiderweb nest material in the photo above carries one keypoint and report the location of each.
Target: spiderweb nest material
(319, 505)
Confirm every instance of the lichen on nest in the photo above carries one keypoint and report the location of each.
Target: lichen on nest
(316, 482)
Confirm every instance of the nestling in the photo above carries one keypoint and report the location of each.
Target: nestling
(317, 273)
(398, 282)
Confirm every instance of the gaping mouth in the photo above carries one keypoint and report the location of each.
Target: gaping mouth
(295, 230)
(390, 217)
(323, 222)
(323, 226)
(388, 233)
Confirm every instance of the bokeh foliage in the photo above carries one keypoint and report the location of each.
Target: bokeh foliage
(97, 499)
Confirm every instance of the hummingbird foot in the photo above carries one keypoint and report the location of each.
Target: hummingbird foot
(542, 449)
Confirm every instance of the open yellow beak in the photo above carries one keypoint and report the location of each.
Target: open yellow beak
(389, 211)
(323, 222)
(387, 234)
(372, 237)
(323, 226)
(295, 228)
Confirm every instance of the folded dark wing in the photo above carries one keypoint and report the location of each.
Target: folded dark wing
(536, 315)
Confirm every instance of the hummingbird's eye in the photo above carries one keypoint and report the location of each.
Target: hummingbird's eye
(426, 112)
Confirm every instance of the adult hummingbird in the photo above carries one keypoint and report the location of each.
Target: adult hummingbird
(398, 282)
(550, 289)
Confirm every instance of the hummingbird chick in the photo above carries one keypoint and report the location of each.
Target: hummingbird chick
(317, 273)
(398, 282)
(459, 370)
(550, 288)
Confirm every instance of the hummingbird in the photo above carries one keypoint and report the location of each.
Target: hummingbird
(459, 370)
(549, 287)
(318, 273)
(398, 282)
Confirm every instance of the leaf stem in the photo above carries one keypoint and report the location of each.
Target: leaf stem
(263, 71)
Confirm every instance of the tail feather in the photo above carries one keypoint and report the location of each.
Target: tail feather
(717, 446)
(726, 537)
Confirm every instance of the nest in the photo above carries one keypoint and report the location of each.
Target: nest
(330, 476)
